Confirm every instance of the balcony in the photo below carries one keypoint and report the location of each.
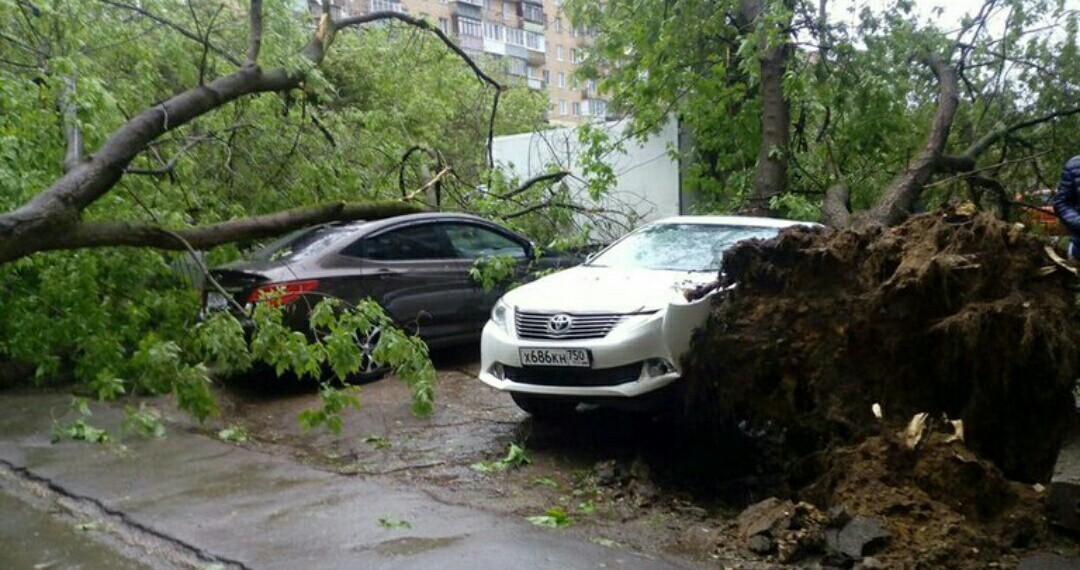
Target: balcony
(536, 58)
(471, 42)
(535, 83)
(516, 51)
(496, 47)
(467, 8)
(385, 6)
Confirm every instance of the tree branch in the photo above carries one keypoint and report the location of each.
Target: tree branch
(55, 211)
(899, 199)
(113, 234)
(423, 25)
(988, 140)
(177, 27)
(255, 32)
(550, 177)
(169, 166)
(73, 141)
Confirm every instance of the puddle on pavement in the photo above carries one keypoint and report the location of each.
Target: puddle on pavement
(32, 539)
(414, 545)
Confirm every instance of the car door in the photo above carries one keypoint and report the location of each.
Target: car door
(414, 273)
(475, 241)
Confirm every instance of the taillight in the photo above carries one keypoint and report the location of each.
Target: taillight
(281, 293)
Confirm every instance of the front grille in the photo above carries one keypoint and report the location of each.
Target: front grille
(556, 376)
(582, 325)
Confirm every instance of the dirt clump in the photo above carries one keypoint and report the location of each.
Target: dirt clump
(943, 505)
(962, 316)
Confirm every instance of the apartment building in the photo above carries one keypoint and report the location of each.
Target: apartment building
(533, 38)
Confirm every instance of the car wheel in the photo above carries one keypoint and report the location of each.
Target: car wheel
(544, 407)
(369, 370)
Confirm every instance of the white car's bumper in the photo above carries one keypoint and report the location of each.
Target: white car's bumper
(623, 352)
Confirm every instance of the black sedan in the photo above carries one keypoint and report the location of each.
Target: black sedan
(417, 267)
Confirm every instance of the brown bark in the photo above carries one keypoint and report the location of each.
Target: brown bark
(770, 176)
(112, 234)
(900, 197)
(835, 208)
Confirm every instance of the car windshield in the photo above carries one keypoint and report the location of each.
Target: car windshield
(302, 243)
(678, 247)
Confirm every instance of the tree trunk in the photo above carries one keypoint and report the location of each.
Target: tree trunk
(899, 200)
(770, 176)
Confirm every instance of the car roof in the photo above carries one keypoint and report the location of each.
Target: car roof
(749, 221)
(423, 217)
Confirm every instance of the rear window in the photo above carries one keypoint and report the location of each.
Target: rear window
(303, 243)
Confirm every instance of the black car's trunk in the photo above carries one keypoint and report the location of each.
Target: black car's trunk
(238, 284)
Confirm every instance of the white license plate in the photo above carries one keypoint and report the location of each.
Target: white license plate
(216, 302)
(567, 357)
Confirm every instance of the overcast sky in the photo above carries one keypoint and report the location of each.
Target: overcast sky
(952, 13)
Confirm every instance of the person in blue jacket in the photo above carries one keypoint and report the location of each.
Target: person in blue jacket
(1067, 203)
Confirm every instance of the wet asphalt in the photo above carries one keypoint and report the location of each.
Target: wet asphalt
(223, 505)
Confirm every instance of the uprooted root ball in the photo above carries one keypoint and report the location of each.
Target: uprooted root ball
(957, 316)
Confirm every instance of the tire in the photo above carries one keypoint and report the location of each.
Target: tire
(544, 407)
(370, 370)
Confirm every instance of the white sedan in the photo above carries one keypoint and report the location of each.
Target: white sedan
(613, 329)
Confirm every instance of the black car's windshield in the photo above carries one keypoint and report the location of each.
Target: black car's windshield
(678, 247)
(302, 243)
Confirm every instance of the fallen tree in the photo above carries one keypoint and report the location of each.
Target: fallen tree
(53, 218)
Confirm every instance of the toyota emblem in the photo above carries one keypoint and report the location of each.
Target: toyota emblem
(559, 323)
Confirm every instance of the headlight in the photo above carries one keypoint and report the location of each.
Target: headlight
(500, 315)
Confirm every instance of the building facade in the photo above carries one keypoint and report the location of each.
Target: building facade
(533, 38)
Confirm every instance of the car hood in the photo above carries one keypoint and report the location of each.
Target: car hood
(585, 289)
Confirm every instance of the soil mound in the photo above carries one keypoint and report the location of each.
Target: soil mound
(943, 506)
(962, 316)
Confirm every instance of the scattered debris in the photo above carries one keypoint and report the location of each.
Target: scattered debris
(554, 517)
(515, 457)
(377, 442)
(392, 524)
(915, 429)
(793, 531)
(861, 536)
(233, 433)
(1063, 501)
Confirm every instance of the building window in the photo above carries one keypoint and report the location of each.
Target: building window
(562, 107)
(558, 53)
(444, 25)
(469, 27)
(598, 108)
(547, 77)
(558, 25)
(508, 9)
(590, 85)
(533, 12)
(515, 66)
(534, 41)
(577, 55)
(515, 36)
(493, 31)
(562, 80)
(577, 109)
